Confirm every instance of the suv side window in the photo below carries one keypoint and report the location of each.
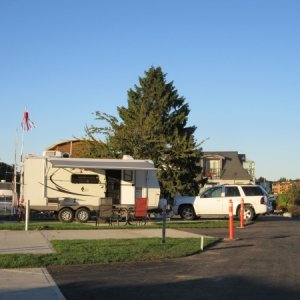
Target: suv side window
(232, 191)
(213, 192)
(252, 191)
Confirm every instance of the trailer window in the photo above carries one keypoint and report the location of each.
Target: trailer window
(84, 178)
(128, 175)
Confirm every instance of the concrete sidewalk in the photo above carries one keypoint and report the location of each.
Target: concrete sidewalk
(36, 283)
(28, 284)
(39, 241)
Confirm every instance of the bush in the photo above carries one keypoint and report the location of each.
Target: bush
(294, 195)
(290, 201)
(282, 202)
(295, 210)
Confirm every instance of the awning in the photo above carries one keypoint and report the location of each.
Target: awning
(104, 164)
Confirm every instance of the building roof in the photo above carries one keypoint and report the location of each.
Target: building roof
(63, 142)
(232, 165)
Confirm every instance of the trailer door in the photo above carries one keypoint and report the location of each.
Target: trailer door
(128, 187)
(113, 185)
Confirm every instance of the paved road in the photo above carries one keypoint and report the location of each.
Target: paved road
(262, 263)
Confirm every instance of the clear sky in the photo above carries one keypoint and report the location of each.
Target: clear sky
(236, 62)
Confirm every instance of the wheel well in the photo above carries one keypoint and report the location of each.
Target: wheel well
(245, 204)
(63, 207)
(184, 205)
(81, 207)
(74, 209)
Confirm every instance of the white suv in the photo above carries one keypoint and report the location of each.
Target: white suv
(214, 202)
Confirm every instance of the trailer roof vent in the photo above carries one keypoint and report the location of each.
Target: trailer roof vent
(53, 153)
(127, 157)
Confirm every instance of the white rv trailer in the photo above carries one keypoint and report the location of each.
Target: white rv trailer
(74, 187)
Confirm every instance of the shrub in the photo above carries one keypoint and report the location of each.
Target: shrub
(290, 201)
(282, 202)
(295, 210)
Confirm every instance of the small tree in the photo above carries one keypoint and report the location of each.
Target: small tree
(291, 200)
(293, 195)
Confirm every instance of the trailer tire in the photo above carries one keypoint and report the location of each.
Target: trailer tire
(82, 215)
(66, 215)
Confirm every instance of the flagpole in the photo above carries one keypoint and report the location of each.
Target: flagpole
(22, 145)
(20, 202)
(15, 171)
(27, 124)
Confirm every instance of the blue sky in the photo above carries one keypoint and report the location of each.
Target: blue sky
(235, 62)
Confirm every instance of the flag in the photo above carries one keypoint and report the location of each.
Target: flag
(27, 124)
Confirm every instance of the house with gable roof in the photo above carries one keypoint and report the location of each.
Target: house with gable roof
(226, 167)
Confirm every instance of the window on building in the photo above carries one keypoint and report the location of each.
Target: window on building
(213, 167)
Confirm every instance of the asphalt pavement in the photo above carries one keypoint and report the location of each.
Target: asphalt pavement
(262, 262)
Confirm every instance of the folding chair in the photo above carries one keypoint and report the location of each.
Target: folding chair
(140, 212)
(105, 211)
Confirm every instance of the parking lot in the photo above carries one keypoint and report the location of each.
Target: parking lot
(262, 262)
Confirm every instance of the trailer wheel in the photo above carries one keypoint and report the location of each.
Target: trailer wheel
(66, 215)
(82, 215)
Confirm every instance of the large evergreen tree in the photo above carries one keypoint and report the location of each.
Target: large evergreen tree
(154, 126)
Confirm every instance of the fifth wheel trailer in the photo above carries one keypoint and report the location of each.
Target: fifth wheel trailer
(74, 187)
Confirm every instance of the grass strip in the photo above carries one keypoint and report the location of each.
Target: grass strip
(54, 225)
(70, 252)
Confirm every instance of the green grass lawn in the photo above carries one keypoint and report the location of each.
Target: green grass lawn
(70, 252)
(54, 225)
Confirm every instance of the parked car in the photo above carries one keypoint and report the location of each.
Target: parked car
(214, 202)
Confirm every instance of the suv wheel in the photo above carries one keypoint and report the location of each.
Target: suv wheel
(187, 212)
(249, 213)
